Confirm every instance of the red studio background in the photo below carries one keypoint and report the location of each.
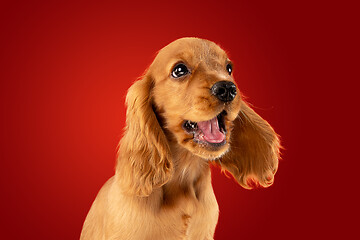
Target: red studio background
(65, 69)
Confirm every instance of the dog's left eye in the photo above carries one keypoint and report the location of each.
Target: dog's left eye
(229, 68)
(179, 70)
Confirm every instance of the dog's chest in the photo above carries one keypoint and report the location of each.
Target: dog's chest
(191, 214)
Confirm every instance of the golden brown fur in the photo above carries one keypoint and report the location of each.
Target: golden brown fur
(162, 186)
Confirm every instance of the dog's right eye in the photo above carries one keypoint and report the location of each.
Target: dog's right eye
(179, 70)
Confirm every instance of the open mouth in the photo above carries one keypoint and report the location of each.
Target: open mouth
(211, 132)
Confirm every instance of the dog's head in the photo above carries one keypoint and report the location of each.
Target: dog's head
(196, 95)
(188, 97)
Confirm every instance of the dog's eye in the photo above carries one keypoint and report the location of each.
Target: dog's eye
(179, 70)
(229, 68)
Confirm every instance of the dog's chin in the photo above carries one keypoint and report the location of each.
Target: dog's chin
(210, 153)
(209, 138)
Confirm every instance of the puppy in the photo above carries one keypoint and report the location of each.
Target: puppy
(183, 115)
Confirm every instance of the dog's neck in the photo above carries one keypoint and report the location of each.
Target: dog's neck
(191, 176)
(187, 166)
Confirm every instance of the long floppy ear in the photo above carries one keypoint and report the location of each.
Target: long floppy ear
(254, 150)
(144, 160)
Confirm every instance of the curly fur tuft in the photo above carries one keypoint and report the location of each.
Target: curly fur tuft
(254, 152)
(144, 160)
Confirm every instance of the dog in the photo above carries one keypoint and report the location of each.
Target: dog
(183, 115)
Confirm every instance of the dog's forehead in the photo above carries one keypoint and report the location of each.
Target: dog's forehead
(192, 51)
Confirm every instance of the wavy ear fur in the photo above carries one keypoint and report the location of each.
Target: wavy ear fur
(254, 150)
(144, 160)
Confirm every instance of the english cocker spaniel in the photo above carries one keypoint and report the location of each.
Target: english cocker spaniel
(184, 114)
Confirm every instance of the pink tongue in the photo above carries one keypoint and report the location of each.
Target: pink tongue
(211, 131)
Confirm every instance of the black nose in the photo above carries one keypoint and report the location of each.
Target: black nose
(224, 91)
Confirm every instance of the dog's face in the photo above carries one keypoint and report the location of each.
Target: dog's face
(195, 95)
